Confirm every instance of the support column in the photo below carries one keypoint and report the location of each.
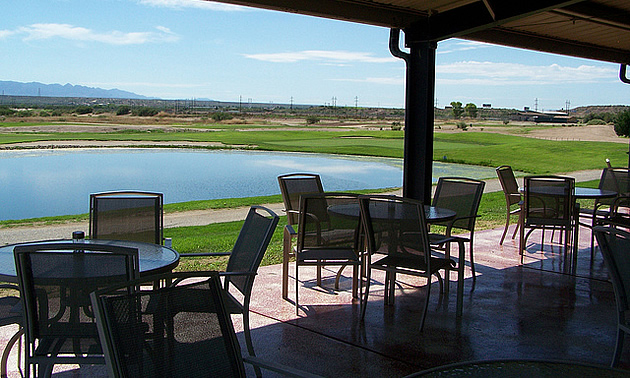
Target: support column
(419, 113)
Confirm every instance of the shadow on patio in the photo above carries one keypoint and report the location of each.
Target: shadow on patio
(515, 311)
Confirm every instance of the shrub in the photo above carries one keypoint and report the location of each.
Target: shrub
(221, 116)
(144, 111)
(124, 109)
(83, 109)
(596, 121)
(311, 120)
(622, 123)
(6, 111)
(462, 125)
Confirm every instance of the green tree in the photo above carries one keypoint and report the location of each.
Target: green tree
(83, 109)
(622, 123)
(471, 110)
(458, 111)
(123, 109)
(144, 111)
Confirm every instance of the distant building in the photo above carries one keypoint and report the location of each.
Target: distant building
(486, 106)
(543, 117)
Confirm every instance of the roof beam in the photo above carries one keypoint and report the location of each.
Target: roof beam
(598, 14)
(529, 41)
(361, 11)
(477, 16)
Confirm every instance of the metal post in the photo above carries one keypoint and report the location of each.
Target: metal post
(419, 113)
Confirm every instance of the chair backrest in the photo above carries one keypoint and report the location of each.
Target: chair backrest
(616, 179)
(182, 330)
(294, 185)
(251, 245)
(462, 195)
(509, 184)
(549, 200)
(55, 282)
(321, 224)
(395, 226)
(127, 215)
(615, 244)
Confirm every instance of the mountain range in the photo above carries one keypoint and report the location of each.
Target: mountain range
(15, 88)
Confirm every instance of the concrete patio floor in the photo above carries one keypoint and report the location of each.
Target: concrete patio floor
(532, 311)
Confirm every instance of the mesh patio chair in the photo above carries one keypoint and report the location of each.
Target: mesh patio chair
(615, 245)
(462, 195)
(243, 263)
(512, 197)
(398, 242)
(10, 313)
(615, 179)
(550, 205)
(292, 187)
(328, 238)
(127, 215)
(182, 330)
(55, 282)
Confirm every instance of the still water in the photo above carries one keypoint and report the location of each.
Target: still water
(37, 183)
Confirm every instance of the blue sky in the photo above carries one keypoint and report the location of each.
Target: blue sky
(184, 49)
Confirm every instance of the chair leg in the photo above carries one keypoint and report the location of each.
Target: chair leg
(507, 225)
(286, 253)
(621, 334)
(297, 285)
(367, 293)
(7, 350)
(248, 338)
(472, 261)
(426, 304)
(518, 223)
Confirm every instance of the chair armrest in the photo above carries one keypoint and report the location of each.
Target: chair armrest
(288, 229)
(276, 367)
(243, 273)
(206, 254)
(10, 286)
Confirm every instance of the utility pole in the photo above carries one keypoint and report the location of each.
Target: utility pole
(536, 105)
(567, 106)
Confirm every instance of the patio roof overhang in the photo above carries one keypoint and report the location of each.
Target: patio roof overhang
(592, 29)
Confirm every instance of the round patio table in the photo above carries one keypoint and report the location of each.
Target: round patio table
(152, 258)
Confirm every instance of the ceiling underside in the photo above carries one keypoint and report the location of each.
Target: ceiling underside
(593, 29)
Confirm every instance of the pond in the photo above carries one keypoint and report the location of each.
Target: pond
(39, 183)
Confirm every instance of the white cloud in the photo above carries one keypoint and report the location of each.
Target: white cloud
(321, 56)
(376, 80)
(77, 33)
(461, 45)
(5, 33)
(491, 73)
(177, 4)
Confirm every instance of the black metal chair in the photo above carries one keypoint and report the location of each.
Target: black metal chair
(398, 242)
(462, 195)
(182, 330)
(550, 205)
(615, 245)
(616, 180)
(10, 313)
(326, 237)
(55, 281)
(292, 187)
(127, 215)
(243, 263)
(512, 197)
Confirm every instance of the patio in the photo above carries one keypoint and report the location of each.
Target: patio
(529, 311)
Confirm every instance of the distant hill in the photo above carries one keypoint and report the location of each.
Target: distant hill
(15, 88)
